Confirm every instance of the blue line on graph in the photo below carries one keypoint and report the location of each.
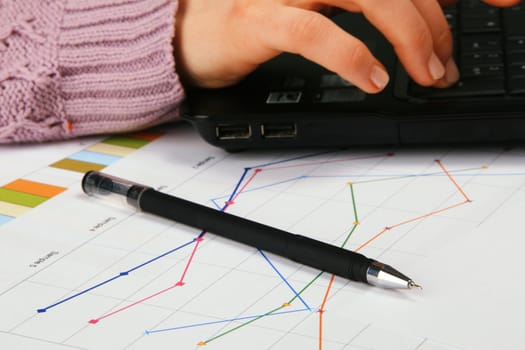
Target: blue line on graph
(215, 201)
(292, 159)
(284, 279)
(78, 294)
(161, 256)
(121, 274)
(234, 192)
(457, 173)
(148, 332)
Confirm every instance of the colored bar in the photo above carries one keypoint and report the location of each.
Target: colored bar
(20, 198)
(94, 157)
(76, 165)
(36, 188)
(12, 210)
(113, 150)
(126, 141)
(4, 219)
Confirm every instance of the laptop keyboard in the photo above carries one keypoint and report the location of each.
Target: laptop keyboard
(489, 50)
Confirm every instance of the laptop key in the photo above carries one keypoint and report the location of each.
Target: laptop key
(485, 70)
(480, 43)
(475, 58)
(481, 25)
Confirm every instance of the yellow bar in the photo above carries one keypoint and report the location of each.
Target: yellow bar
(13, 210)
(113, 150)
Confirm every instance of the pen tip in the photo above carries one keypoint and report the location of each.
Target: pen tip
(412, 284)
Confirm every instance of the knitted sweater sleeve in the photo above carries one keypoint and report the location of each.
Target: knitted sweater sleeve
(71, 68)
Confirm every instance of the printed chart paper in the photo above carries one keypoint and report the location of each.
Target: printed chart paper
(80, 273)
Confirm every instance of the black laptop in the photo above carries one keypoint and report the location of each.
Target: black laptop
(291, 102)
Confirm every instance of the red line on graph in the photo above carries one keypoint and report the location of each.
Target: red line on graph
(241, 190)
(180, 283)
(95, 321)
(192, 255)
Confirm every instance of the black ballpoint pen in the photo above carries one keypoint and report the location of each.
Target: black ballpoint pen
(304, 250)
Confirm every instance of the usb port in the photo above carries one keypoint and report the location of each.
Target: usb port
(233, 131)
(278, 130)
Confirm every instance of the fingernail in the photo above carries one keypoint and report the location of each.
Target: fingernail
(435, 67)
(451, 71)
(379, 77)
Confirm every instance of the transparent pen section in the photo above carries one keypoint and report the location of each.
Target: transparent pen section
(112, 188)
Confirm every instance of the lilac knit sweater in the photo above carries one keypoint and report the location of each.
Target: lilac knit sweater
(78, 67)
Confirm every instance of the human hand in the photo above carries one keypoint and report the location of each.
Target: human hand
(217, 43)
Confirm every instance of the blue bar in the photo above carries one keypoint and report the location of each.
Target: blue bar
(4, 219)
(94, 157)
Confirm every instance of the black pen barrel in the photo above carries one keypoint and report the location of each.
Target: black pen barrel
(301, 249)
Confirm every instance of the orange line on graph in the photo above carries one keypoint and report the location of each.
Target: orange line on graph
(388, 228)
(452, 179)
(382, 232)
(321, 310)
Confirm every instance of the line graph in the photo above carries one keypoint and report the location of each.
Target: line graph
(138, 282)
(247, 182)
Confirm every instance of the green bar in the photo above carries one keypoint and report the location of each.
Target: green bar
(76, 165)
(126, 141)
(21, 198)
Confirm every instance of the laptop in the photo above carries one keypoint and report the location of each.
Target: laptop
(291, 102)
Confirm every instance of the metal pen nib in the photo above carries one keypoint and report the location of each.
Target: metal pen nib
(385, 276)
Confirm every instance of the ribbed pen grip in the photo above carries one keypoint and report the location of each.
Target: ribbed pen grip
(301, 249)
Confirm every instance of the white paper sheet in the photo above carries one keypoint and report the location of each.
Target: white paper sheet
(77, 273)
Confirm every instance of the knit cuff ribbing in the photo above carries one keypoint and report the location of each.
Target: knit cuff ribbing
(70, 68)
(116, 64)
(30, 102)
